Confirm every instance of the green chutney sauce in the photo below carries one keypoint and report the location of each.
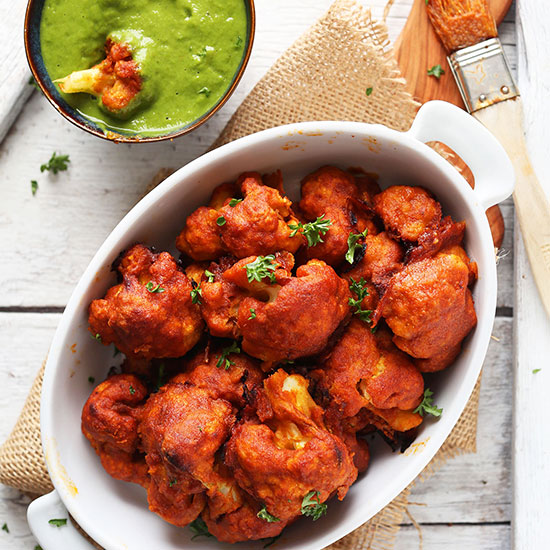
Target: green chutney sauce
(188, 53)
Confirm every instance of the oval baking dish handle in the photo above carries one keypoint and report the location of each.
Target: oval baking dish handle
(479, 149)
(51, 537)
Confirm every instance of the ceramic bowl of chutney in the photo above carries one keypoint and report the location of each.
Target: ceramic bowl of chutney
(141, 71)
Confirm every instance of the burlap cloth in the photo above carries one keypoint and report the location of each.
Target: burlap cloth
(323, 76)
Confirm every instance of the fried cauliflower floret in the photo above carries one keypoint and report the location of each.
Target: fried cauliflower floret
(289, 454)
(382, 258)
(116, 80)
(290, 317)
(430, 309)
(182, 429)
(256, 223)
(259, 223)
(150, 314)
(407, 212)
(335, 194)
(242, 524)
(110, 420)
(366, 367)
(207, 370)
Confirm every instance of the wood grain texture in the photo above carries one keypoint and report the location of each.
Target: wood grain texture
(505, 121)
(418, 48)
(531, 445)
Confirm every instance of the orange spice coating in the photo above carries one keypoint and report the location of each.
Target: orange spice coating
(429, 307)
(182, 429)
(407, 212)
(336, 194)
(461, 23)
(299, 316)
(280, 460)
(110, 419)
(145, 324)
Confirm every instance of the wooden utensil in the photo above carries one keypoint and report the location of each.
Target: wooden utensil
(478, 62)
(417, 49)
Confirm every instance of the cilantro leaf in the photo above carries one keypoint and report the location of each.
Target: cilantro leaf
(361, 291)
(204, 90)
(312, 505)
(221, 221)
(199, 529)
(260, 268)
(150, 286)
(58, 522)
(196, 294)
(56, 164)
(252, 314)
(265, 515)
(368, 91)
(312, 231)
(437, 71)
(223, 359)
(34, 187)
(354, 244)
(5, 527)
(91, 379)
(209, 276)
(427, 406)
(234, 202)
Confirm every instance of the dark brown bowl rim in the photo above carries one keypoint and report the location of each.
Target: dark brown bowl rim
(119, 138)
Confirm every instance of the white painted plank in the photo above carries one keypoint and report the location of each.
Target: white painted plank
(14, 81)
(447, 537)
(531, 448)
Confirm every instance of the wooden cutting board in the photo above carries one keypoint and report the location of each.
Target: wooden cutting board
(417, 49)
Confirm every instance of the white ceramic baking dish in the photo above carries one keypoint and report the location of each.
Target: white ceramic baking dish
(114, 513)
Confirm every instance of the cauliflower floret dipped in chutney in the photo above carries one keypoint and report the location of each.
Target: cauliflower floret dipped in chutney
(146, 67)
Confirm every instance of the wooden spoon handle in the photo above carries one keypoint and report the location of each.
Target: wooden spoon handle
(505, 121)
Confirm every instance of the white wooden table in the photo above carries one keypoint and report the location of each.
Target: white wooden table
(46, 241)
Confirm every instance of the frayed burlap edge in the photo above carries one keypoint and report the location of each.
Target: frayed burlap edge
(324, 75)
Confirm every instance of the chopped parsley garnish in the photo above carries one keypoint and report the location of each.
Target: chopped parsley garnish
(221, 221)
(205, 90)
(34, 187)
(56, 164)
(91, 379)
(265, 515)
(196, 294)
(223, 359)
(437, 71)
(239, 41)
(32, 82)
(252, 314)
(353, 244)
(260, 268)
(536, 370)
(312, 506)
(199, 529)
(150, 286)
(38, 547)
(160, 377)
(427, 406)
(132, 390)
(368, 91)
(97, 337)
(234, 202)
(361, 291)
(312, 231)
(5, 527)
(209, 275)
(173, 482)
(58, 522)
